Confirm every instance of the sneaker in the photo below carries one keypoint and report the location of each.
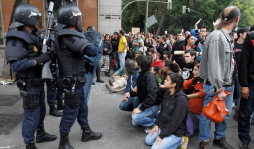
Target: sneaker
(244, 146)
(222, 143)
(204, 144)
(233, 105)
(148, 129)
(185, 143)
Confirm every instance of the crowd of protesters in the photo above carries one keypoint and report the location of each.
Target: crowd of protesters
(167, 80)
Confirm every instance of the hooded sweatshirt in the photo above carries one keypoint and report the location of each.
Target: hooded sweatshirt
(173, 115)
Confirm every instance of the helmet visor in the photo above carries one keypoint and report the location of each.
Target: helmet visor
(36, 17)
(77, 17)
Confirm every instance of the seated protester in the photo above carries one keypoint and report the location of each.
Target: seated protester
(146, 90)
(150, 51)
(120, 81)
(170, 125)
(189, 57)
(166, 55)
(196, 97)
(129, 102)
(156, 60)
(168, 66)
(137, 54)
(156, 70)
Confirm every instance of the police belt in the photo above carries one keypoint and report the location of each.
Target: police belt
(76, 82)
(32, 82)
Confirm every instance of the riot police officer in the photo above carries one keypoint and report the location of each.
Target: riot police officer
(23, 53)
(71, 46)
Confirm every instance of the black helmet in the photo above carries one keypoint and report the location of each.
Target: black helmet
(26, 14)
(70, 15)
(90, 28)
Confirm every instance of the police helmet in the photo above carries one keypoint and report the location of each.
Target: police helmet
(26, 14)
(70, 15)
(91, 28)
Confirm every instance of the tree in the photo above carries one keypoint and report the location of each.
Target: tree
(6, 68)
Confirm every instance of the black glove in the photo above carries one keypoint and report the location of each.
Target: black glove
(43, 58)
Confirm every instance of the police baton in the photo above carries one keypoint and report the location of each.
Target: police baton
(46, 72)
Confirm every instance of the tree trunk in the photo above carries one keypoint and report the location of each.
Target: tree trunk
(6, 69)
(161, 21)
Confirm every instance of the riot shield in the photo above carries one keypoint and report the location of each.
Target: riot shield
(91, 62)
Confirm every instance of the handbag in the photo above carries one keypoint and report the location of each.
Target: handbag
(216, 109)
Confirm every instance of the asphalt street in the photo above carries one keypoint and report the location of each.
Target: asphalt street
(104, 117)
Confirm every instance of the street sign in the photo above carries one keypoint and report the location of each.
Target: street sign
(151, 21)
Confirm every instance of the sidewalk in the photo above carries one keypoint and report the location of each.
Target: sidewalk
(104, 117)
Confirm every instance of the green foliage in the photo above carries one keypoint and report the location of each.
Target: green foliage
(209, 10)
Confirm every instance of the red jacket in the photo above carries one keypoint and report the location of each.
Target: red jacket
(195, 104)
(159, 63)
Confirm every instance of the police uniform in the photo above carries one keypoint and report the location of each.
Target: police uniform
(23, 53)
(71, 46)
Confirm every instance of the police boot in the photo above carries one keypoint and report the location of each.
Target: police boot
(88, 134)
(64, 142)
(42, 136)
(99, 80)
(59, 104)
(53, 111)
(31, 145)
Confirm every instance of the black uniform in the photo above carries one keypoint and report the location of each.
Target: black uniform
(23, 53)
(71, 46)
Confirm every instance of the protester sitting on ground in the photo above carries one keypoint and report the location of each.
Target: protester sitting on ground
(120, 81)
(156, 70)
(170, 125)
(156, 60)
(146, 90)
(137, 54)
(189, 57)
(166, 55)
(128, 103)
(168, 66)
(150, 51)
(196, 96)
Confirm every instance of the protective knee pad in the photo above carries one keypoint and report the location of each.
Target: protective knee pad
(72, 100)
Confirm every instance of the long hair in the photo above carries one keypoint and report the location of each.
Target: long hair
(130, 67)
(177, 79)
(174, 67)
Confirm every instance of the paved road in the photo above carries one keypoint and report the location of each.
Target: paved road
(105, 117)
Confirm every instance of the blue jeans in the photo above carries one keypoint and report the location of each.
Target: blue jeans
(147, 117)
(70, 114)
(53, 93)
(245, 111)
(129, 105)
(122, 58)
(34, 118)
(114, 54)
(170, 142)
(204, 124)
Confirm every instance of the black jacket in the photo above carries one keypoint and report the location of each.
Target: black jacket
(246, 67)
(108, 45)
(178, 46)
(173, 115)
(162, 48)
(147, 85)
